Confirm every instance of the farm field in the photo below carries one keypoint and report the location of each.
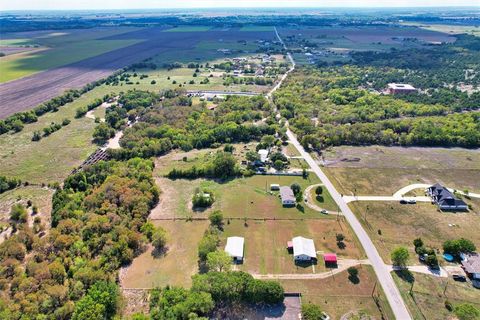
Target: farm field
(338, 296)
(429, 294)
(377, 170)
(265, 243)
(48, 84)
(58, 49)
(450, 29)
(399, 224)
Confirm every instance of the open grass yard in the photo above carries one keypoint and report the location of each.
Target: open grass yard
(52, 158)
(337, 295)
(379, 170)
(266, 241)
(429, 294)
(176, 266)
(189, 29)
(324, 200)
(399, 224)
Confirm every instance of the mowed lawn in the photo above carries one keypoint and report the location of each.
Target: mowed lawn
(337, 295)
(266, 241)
(60, 49)
(176, 266)
(429, 294)
(391, 224)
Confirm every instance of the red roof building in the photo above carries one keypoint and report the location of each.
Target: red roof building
(330, 258)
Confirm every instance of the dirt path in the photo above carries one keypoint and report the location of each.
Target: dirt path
(343, 264)
(311, 201)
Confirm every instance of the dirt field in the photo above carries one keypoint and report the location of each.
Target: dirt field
(430, 293)
(337, 295)
(26, 93)
(265, 243)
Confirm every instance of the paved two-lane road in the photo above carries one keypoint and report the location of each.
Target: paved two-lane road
(382, 271)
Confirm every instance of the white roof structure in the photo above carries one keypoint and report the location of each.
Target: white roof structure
(304, 246)
(400, 86)
(234, 247)
(263, 154)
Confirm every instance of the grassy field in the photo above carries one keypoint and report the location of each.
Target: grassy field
(188, 29)
(383, 170)
(427, 300)
(256, 28)
(52, 158)
(40, 197)
(176, 266)
(60, 49)
(450, 29)
(265, 243)
(324, 201)
(400, 224)
(337, 295)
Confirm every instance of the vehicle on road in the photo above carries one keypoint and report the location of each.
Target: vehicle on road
(403, 201)
(459, 277)
(412, 201)
(323, 211)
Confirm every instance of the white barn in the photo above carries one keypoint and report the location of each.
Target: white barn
(234, 248)
(303, 249)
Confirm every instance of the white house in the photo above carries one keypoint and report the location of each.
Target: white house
(287, 196)
(303, 249)
(234, 248)
(263, 155)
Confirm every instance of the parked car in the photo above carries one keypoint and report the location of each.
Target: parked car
(459, 277)
(324, 211)
(412, 201)
(403, 201)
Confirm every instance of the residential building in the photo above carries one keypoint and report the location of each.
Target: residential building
(287, 196)
(303, 249)
(263, 153)
(471, 265)
(445, 200)
(234, 248)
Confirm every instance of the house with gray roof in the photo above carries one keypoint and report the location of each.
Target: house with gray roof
(445, 199)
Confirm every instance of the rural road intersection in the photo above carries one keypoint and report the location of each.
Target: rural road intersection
(382, 271)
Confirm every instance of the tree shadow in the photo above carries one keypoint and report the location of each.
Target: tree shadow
(319, 198)
(158, 253)
(405, 275)
(300, 208)
(341, 245)
(354, 279)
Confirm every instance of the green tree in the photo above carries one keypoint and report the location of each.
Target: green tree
(400, 256)
(159, 238)
(467, 311)
(296, 188)
(252, 156)
(208, 244)
(103, 132)
(318, 190)
(87, 308)
(18, 213)
(219, 261)
(216, 219)
(311, 312)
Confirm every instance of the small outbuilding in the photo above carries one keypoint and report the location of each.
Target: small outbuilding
(234, 248)
(263, 154)
(400, 88)
(330, 258)
(274, 187)
(287, 196)
(303, 249)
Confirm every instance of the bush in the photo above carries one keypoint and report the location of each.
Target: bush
(202, 199)
(400, 256)
(159, 238)
(80, 112)
(216, 219)
(18, 213)
(467, 311)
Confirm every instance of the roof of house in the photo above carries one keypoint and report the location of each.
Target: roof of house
(330, 257)
(263, 153)
(286, 194)
(472, 264)
(234, 246)
(304, 246)
(444, 197)
(400, 86)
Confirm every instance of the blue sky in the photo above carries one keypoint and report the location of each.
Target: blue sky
(138, 4)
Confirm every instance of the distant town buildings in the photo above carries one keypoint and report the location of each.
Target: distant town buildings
(400, 88)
